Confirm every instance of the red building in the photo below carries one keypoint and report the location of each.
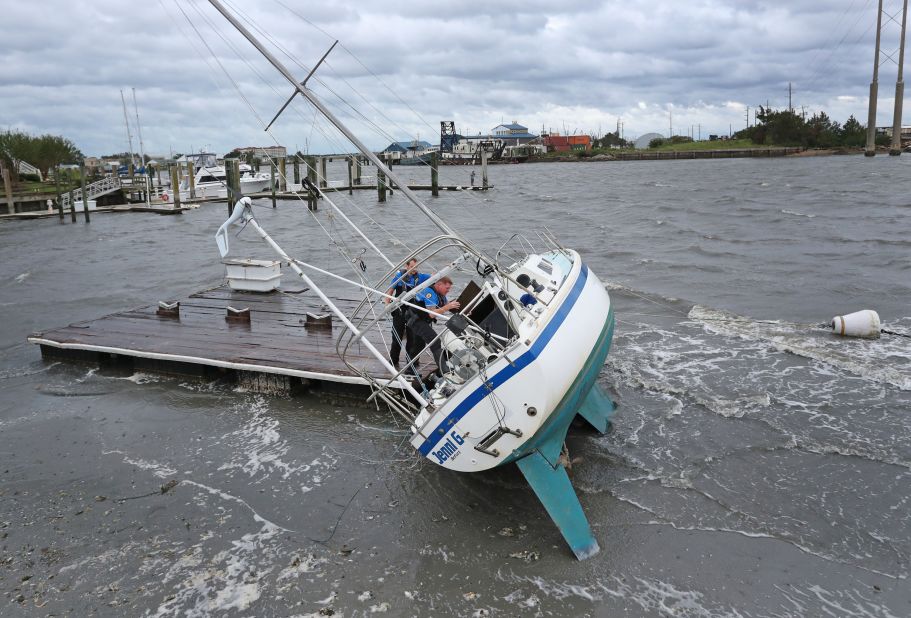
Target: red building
(560, 143)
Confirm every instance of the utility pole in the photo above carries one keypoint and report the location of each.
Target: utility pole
(874, 86)
(748, 116)
(790, 106)
(896, 148)
(699, 127)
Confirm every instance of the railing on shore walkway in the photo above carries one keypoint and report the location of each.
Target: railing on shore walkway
(93, 190)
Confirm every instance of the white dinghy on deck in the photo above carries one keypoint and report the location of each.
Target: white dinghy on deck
(519, 360)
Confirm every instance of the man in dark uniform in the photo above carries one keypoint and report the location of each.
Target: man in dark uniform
(403, 281)
(421, 323)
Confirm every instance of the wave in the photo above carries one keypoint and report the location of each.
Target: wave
(886, 360)
(797, 214)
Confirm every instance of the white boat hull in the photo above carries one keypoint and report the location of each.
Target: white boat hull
(215, 190)
(521, 395)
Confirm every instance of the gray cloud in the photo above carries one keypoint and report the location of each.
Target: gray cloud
(582, 64)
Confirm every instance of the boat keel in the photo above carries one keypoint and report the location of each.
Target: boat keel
(597, 409)
(554, 489)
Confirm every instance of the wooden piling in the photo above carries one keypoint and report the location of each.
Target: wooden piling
(283, 173)
(434, 175)
(380, 185)
(351, 175)
(311, 176)
(72, 201)
(484, 169)
(323, 182)
(8, 187)
(192, 180)
(59, 196)
(272, 183)
(297, 170)
(175, 184)
(85, 199)
(357, 169)
(232, 171)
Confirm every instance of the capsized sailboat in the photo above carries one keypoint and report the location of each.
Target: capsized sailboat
(518, 362)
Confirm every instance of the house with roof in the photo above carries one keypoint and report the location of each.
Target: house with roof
(512, 134)
(400, 147)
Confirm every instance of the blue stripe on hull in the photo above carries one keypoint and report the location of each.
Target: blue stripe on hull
(482, 391)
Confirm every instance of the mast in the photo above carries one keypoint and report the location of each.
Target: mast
(310, 96)
(126, 121)
(142, 154)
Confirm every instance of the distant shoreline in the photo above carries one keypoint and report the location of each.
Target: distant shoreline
(672, 155)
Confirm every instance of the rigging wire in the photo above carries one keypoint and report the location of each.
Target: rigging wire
(357, 113)
(342, 249)
(339, 146)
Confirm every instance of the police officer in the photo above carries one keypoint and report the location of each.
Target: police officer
(403, 281)
(421, 323)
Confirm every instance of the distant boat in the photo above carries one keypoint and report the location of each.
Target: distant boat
(416, 159)
(212, 181)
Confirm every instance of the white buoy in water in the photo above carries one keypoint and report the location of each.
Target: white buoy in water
(863, 323)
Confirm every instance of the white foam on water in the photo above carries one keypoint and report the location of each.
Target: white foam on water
(157, 469)
(88, 374)
(651, 595)
(22, 277)
(25, 371)
(141, 378)
(234, 578)
(300, 565)
(797, 214)
(226, 496)
(886, 360)
(843, 603)
(677, 368)
(665, 598)
(259, 450)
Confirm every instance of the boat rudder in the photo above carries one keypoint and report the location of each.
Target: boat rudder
(597, 408)
(552, 486)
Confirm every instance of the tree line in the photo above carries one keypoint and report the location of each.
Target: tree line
(787, 128)
(45, 152)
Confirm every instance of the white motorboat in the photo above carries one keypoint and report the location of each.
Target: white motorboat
(212, 181)
(519, 361)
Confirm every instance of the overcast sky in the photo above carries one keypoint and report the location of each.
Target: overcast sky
(573, 66)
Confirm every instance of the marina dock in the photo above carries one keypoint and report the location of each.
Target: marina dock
(287, 345)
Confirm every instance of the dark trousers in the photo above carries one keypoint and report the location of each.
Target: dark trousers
(422, 333)
(399, 330)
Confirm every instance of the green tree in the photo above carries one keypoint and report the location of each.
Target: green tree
(14, 148)
(821, 131)
(49, 151)
(853, 134)
(611, 140)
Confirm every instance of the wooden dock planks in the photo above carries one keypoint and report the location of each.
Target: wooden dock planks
(276, 340)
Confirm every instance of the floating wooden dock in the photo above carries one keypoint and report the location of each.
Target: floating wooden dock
(159, 209)
(283, 346)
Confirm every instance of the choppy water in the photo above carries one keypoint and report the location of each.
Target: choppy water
(756, 466)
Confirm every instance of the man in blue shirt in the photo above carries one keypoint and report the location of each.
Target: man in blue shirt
(403, 281)
(434, 300)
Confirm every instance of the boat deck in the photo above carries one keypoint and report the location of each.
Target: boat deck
(277, 343)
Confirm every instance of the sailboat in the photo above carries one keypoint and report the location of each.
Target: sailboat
(519, 360)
